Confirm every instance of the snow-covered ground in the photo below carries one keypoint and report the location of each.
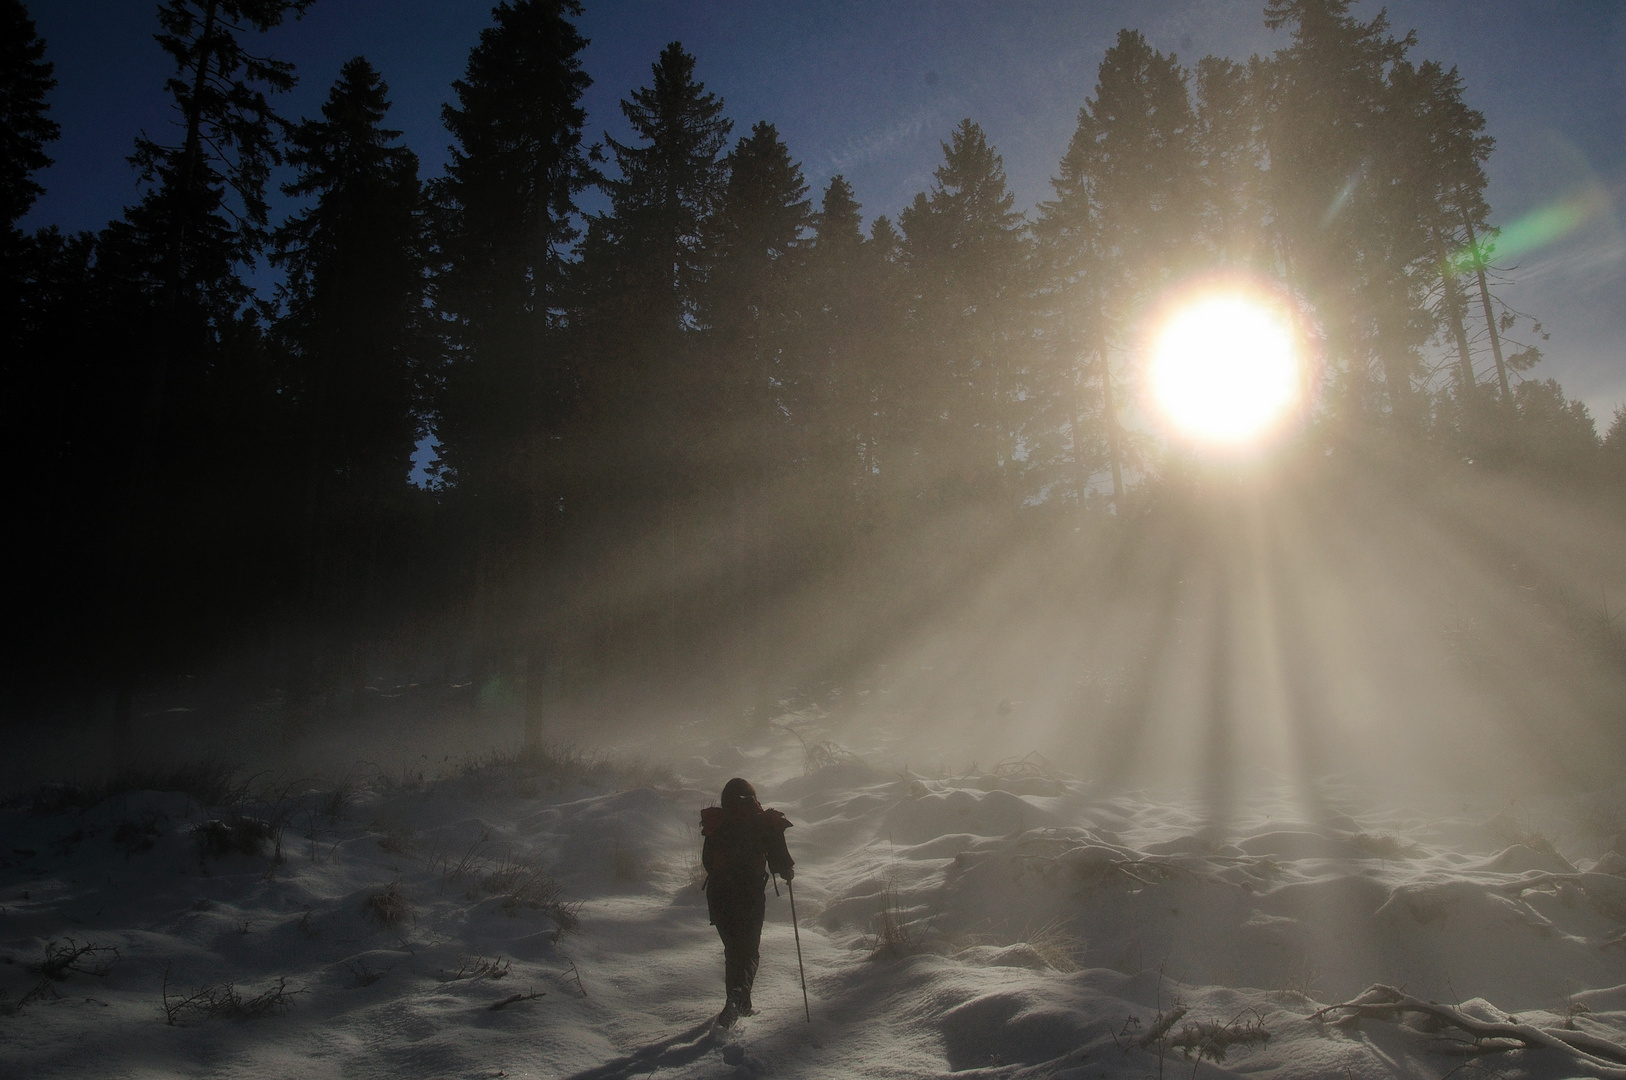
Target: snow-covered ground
(1008, 922)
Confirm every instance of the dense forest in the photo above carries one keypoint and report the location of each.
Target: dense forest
(726, 437)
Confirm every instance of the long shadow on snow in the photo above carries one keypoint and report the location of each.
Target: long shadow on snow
(680, 1049)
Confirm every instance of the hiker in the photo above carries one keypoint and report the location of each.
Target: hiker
(743, 842)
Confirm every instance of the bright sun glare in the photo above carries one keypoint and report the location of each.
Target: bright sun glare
(1223, 368)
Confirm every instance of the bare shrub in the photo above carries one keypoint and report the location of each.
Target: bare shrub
(1161, 1024)
(87, 959)
(514, 998)
(58, 961)
(224, 1000)
(243, 835)
(361, 973)
(821, 754)
(1212, 1041)
(1033, 766)
(478, 967)
(388, 906)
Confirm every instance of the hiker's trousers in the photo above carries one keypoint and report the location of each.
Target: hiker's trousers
(739, 924)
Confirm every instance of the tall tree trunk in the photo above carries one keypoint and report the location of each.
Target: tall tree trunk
(124, 661)
(1397, 380)
(1490, 316)
(1110, 414)
(299, 696)
(1078, 439)
(1454, 304)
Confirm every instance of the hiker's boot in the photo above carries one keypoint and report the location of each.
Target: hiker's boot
(731, 1011)
(742, 989)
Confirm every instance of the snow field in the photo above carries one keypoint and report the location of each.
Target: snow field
(1013, 922)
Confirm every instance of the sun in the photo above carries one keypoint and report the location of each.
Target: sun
(1224, 370)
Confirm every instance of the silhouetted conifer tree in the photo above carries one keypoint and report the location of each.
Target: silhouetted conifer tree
(25, 129)
(1127, 217)
(965, 251)
(358, 340)
(172, 265)
(670, 184)
(755, 246)
(851, 334)
(25, 79)
(751, 398)
(507, 204)
(1333, 144)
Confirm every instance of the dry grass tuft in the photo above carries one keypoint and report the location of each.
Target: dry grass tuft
(333, 803)
(396, 841)
(521, 882)
(388, 906)
(210, 783)
(1384, 846)
(563, 766)
(894, 935)
(1054, 947)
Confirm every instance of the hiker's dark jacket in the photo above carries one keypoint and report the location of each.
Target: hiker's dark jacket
(742, 844)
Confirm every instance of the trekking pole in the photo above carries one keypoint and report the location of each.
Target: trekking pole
(798, 931)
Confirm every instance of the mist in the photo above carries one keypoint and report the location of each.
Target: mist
(1180, 614)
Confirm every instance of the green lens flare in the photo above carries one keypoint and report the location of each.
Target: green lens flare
(1536, 229)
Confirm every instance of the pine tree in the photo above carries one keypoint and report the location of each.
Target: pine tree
(644, 271)
(204, 211)
(25, 129)
(671, 182)
(755, 247)
(171, 269)
(1441, 149)
(355, 284)
(965, 253)
(1126, 217)
(1614, 450)
(1347, 241)
(356, 334)
(1231, 161)
(840, 337)
(507, 204)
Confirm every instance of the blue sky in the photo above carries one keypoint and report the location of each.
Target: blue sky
(870, 89)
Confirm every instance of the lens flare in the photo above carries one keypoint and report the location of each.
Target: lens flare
(1223, 369)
